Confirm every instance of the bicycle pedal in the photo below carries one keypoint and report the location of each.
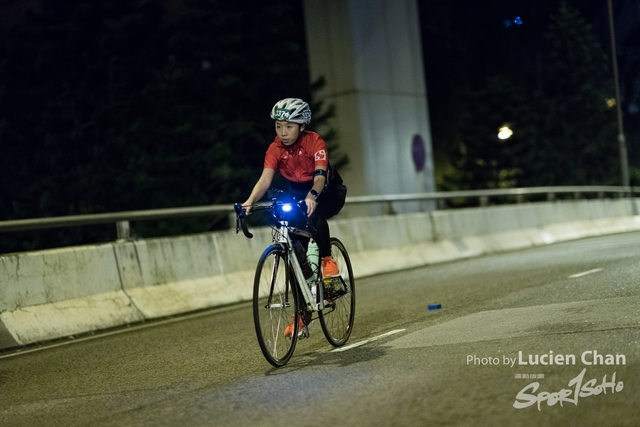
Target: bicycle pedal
(304, 332)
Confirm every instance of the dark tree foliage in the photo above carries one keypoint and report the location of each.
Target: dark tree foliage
(629, 64)
(60, 79)
(486, 161)
(577, 144)
(114, 105)
(550, 87)
(465, 47)
(569, 135)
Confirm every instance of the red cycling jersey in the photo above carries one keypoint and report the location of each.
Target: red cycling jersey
(298, 162)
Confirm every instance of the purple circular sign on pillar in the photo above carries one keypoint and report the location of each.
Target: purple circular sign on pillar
(418, 152)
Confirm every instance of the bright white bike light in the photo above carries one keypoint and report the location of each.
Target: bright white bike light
(286, 208)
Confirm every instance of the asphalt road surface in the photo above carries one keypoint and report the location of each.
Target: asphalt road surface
(542, 337)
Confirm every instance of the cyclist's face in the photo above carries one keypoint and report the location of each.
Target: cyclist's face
(288, 132)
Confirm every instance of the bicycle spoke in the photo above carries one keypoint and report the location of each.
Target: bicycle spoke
(271, 317)
(337, 320)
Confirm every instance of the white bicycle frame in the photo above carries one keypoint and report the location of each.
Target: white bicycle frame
(281, 235)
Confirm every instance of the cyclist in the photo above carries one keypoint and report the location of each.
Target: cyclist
(302, 158)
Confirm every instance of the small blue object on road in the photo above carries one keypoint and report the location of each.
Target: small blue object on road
(434, 306)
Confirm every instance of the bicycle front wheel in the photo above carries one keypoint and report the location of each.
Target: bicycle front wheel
(338, 316)
(275, 307)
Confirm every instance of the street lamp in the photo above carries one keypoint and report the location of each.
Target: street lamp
(624, 162)
(505, 132)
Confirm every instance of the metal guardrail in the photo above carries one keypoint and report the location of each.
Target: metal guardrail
(493, 193)
(122, 219)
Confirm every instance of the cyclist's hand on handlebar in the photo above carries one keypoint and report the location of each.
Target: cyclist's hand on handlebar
(311, 203)
(247, 207)
(241, 213)
(240, 210)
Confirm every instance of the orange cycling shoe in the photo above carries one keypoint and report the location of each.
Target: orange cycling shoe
(329, 267)
(288, 331)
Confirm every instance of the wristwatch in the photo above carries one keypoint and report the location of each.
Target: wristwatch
(314, 193)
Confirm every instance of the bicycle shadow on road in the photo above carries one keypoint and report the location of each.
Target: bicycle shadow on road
(321, 358)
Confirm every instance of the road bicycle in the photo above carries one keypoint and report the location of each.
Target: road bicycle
(282, 295)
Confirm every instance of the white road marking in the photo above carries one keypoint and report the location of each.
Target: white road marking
(367, 341)
(584, 273)
(526, 322)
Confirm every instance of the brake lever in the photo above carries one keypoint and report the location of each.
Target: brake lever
(240, 219)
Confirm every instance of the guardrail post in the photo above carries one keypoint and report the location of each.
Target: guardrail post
(600, 194)
(576, 195)
(551, 197)
(387, 208)
(442, 204)
(484, 201)
(123, 229)
(520, 198)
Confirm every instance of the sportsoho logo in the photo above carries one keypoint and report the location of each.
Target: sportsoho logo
(578, 387)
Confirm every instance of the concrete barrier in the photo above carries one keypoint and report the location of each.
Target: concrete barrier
(175, 275)
(61, 292)
(56, 293)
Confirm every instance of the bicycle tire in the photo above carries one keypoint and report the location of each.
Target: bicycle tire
(337, 318)
(275, 306)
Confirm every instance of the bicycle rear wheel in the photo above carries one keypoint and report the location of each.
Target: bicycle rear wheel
(275, 306)
(338, 316)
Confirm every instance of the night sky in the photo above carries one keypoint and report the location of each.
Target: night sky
(504, 37)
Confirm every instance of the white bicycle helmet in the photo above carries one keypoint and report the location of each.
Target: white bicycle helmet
(292, 110)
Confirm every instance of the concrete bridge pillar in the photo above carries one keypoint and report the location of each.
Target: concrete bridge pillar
(369, 52)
